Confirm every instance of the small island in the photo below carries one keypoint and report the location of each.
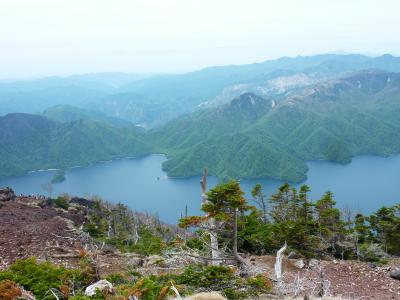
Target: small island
(58, 177)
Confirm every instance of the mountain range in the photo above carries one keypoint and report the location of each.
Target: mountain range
(253, 136)
(151, 100)
(259, 120)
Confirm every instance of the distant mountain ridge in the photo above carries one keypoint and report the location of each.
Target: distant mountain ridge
(153, 100)
(69, 113)
(332, 120)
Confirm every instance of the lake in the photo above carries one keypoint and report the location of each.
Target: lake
(364, 185)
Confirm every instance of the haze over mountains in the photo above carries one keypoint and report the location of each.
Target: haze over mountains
(258, 120)
(153, 100)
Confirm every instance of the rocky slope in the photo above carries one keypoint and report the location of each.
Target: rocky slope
(30, 228)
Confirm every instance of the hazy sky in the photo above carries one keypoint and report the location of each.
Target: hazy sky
(58, 37)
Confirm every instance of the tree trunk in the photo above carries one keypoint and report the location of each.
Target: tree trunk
(235, 239)
(278, 262)
(215, 255)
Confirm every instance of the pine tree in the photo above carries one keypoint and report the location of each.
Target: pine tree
(386, 223)
(362, 230)
(225, 203)
(331, 228)
(281, 203)
(305, 211)
(261, 201)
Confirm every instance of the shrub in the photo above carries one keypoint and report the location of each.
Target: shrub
(40, 277)
(214, 277)
(61, 202)
(373, 253)
(148, 244)
(221, 278)
(260, 283)
(195, 243)
(9, 290)
(98, 296)
(233, 294)
(144, 289)
(94, 230)
(80, 297)
(117, 279)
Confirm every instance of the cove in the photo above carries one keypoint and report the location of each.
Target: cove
(364, 185)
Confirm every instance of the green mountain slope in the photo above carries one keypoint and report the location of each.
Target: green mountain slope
(255, 137)
(69, 113)
(31, 142)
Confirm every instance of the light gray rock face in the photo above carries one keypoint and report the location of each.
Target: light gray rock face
(313, 263)
(103, 286)
(299, 263)
(395, 274)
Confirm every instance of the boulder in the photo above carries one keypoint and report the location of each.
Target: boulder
(313, 263)
(395, 274)
(7, 194)
(299, 264)
(293, 255)
(154, 260)
(103, 286)
(133, 259)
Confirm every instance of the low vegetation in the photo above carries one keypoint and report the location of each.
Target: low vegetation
(311, 229)
(44, 278)
(41, 278)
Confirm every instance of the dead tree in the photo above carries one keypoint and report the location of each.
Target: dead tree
(48, 187)
(215, 255)
(236, 255)
(278, 263)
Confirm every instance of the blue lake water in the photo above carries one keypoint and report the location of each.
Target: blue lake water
(364, 185)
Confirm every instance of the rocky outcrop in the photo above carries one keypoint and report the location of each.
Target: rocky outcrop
(7, 194)
(102, 286)
(82, 201)
(395, 274)
(154, 260)
(299, 263)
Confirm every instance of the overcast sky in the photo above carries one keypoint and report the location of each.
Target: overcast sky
(59, 37)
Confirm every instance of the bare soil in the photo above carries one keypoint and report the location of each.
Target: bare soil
(53, 234)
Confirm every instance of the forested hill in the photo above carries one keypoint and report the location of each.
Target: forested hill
(32, 142)
(274, 137)
(68, 113)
